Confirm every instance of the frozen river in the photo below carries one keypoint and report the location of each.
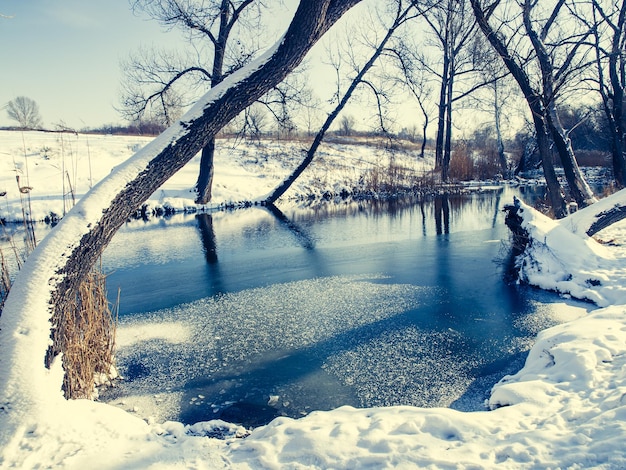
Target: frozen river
(253, 314)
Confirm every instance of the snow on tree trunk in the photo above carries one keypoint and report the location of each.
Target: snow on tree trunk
(53, 272)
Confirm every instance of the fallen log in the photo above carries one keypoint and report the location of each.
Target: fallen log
(606, 218)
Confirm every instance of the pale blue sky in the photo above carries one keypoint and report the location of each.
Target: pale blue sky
(65, 54)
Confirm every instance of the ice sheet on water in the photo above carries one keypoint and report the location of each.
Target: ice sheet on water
(545, 316)
(236, 333)
(406, 367)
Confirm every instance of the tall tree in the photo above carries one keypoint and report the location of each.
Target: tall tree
(453, 28)
(609, 33)
(520, 53)
(160, 83)
(65, 256)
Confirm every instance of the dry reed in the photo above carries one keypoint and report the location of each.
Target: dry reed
(85, 334)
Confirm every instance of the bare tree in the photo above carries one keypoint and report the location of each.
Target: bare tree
(558, 60)
(453, 28)
(255, 120)
(346, 125)
(25, 111)
(498, 91)
(540, 39)
(609, 34)
(155, 79)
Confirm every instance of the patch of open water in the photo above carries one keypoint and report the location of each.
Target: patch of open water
(254, 314)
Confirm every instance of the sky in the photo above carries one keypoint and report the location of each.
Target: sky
(65, 55)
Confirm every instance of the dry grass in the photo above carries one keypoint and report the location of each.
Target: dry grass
(5, 280)
(461, 163)
(85, 334)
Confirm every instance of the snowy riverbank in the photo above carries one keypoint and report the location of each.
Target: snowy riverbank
(59, 168)
(565, 409)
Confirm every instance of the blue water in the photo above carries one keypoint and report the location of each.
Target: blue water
(260, 314)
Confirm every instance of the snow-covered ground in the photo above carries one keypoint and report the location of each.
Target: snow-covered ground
(566, 408)
(60, 166)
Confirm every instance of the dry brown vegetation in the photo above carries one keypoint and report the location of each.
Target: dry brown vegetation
(86, 337)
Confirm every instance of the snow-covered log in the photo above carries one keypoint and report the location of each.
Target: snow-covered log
(54, 270)
(561, 255)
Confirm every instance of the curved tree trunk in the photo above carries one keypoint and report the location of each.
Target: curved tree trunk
(54, 271)
(424, 136)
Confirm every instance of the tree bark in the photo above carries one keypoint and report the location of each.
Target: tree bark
(607, 218)
(579, 189)
(182, 141)
(534, 102)
(204, 185)
(447, 150)
(612, 93)
(441, 119)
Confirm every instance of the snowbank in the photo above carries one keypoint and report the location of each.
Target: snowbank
(561, 257)
(566, 408)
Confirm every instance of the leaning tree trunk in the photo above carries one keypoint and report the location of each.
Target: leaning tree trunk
(286, 184)
(311, 20)
(56, 268)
